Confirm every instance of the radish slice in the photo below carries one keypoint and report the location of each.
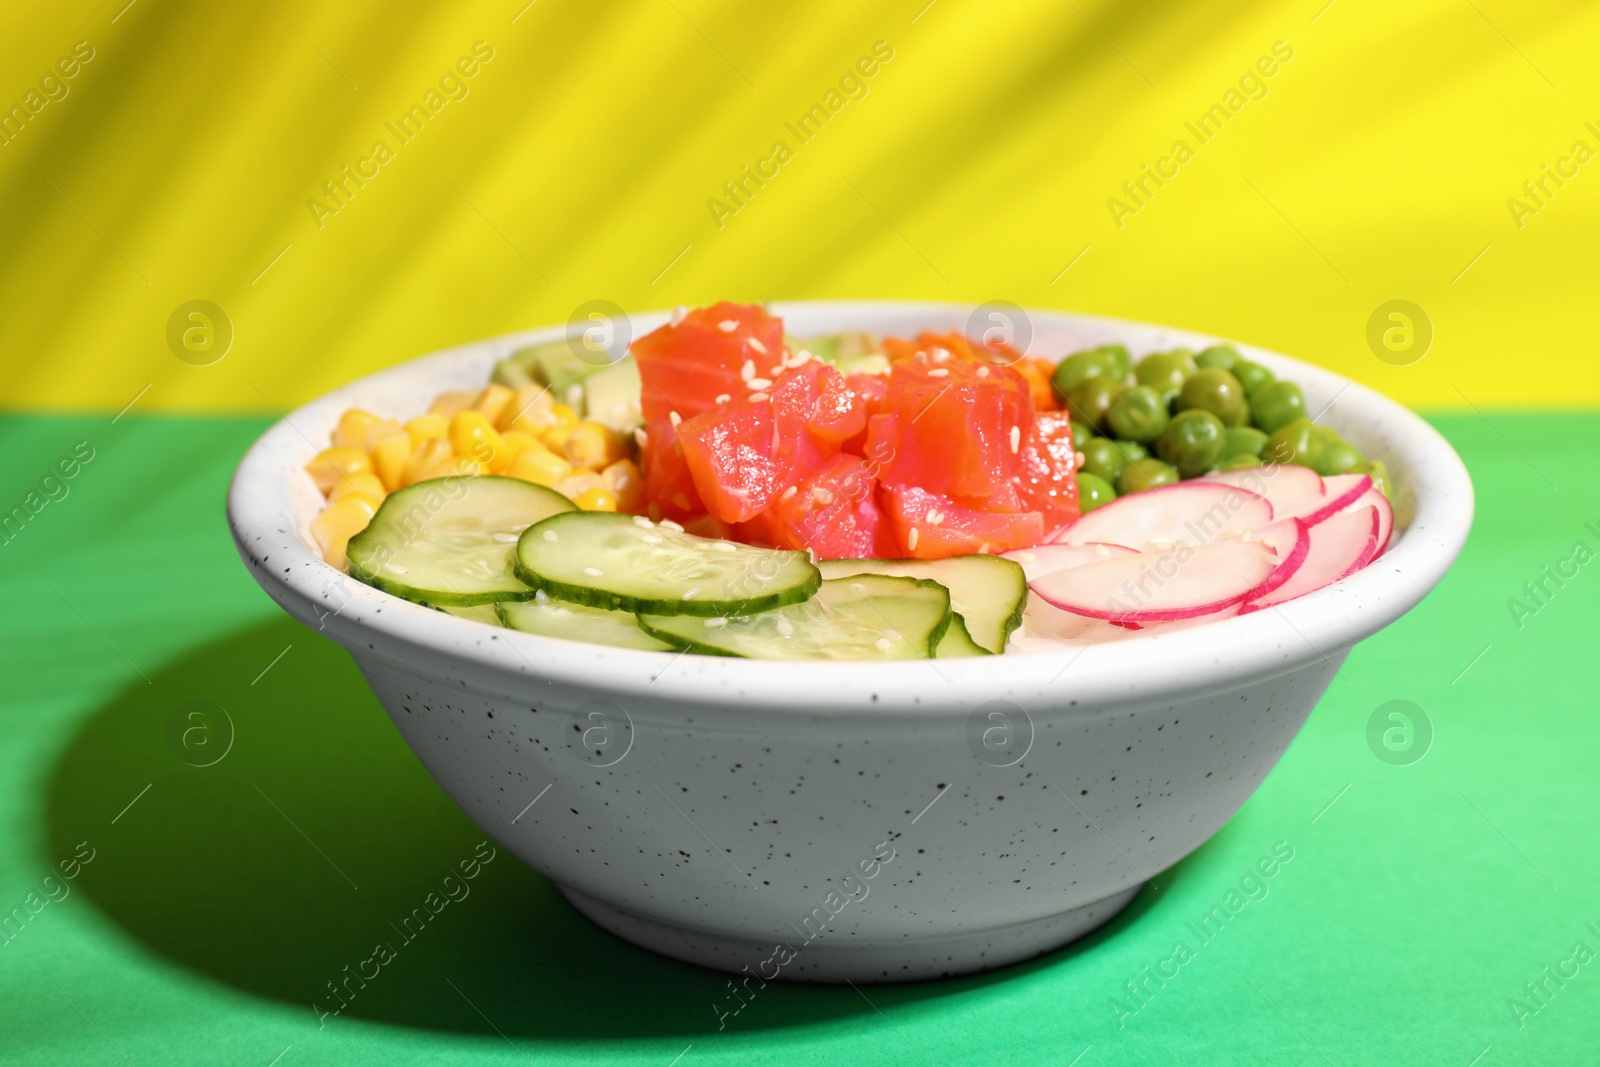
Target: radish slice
(1291, 490)
(1291, 540)
(1193, 513)
(1338, 547)
(1343, 490)
(1374, 498)
(1041, 560)
(1164, 586)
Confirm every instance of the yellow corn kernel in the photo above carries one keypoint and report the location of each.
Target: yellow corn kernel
(516, 442)
(592, 446)
(431, 458)
(472, 435)
(492, 402)
(352, 429)
(577, 483)
(381, 429)
(597, 500)
(389, 457)
(555, 436)
(623, 479)
(452, 401)
(539, 465)
(333, 464)
(530, 411)
(340, 521)
(368, 485)
(425, 426)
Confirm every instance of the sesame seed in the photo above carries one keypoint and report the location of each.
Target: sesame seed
(759, 383)
(1025, 557)
(935, 517)
(1101, 552)
(723, 398)
(941, 355)
(779, 369)
(395, 568)
(893, 635)
(748, 371)
(594, 572)
(668, 524)
(801, 357)
(674, 418)
(882, 644)
(502, 537)
(679, 313)
(641, 438)
(1079, 459)
(1016, 439)
(785, 627)
(822, 496)
(725, 546)
(1074, 542)
(789, 492)
(755, 343)
(756, 398)
(728, 325)
(549, 535)
(983, 372)
(690, 594)
(1270, 542)
(642, 522)
(911, 539)
(939, 372)
(716, 624)
(651, 539)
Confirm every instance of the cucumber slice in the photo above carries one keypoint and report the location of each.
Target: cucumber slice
(607, 560)
(987, 591)
(483, 613)
(957, 642)
(575, 622)
(451, 540)
(865, 617)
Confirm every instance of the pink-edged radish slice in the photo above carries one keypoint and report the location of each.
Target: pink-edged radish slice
(1161, 586)
(1291, 490)
(1343, 490)
(1338, 547)
(1374, 498)
(1041, 560)
(1290, 541)
(1194, 513)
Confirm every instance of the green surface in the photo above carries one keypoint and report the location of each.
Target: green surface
(1415, 905)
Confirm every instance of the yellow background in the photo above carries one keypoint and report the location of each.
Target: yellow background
(978, 166)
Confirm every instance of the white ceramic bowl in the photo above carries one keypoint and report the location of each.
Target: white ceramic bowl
(831, 821)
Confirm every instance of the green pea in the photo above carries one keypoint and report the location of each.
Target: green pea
(1119, 364)
(1217, 357)
(1080, 432)
(1216, 391)
(1192, 442)
(1093, 491)
(1277, 405)
(1243, 441)
(1300, 443)
(1252, 376)
(1242, 461)
(1091, 399)
(1080, 367)
(1139, 414)
(1102, 458)
(1145, 474)
(1339, 458)
(1132, 451)
(1165, 370)
(1378, 471)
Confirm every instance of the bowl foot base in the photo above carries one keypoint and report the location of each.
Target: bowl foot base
(839, 959)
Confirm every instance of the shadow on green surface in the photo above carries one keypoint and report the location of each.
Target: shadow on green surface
(278, 868)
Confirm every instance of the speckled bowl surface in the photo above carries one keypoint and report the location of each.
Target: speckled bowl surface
(832, 821)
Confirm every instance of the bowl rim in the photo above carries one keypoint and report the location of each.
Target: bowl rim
(271, 500)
